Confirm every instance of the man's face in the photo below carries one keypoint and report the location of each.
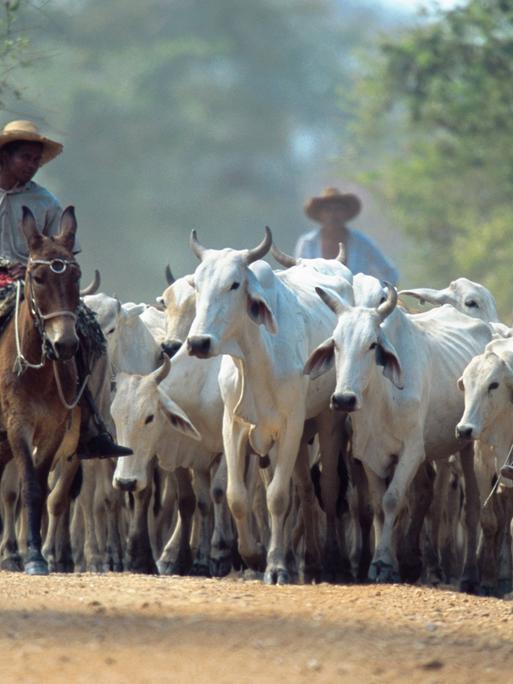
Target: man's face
(334, 215)
(23, 162)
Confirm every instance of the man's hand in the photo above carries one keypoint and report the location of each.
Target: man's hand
(17, 271)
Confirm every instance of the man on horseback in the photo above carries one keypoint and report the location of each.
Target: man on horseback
(23, 150)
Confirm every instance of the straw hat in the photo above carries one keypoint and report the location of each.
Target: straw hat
(331, 196)
(28, 131)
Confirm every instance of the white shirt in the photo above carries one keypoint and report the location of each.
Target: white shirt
(47, 212)
(362, 254)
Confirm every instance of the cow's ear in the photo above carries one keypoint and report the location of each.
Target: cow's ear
(461, 386)
(32, 235)
(386, 356)
(258, 309)
(177, 417)
(321, 359)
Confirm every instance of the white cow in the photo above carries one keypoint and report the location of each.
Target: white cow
(265, 324)
(396, 375)
(488, 419)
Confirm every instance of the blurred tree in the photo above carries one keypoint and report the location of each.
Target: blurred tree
(185, 113)
(436, 107)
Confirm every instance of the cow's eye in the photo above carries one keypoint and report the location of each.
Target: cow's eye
(472, 304)
(493, 386)
(373, 345)
(235, 286)
(109, 332)
(148, 419)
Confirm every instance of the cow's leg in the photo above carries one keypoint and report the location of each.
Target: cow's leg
(278, 498)
(32, 502)
(469, 580)
(88, 504)
(363, 524)
(436, 518)
(409, 553)
(221, 547)
(308, 513)
(384, 565)
(9, 494)
(113, 506)
(235, 438)
(504, 582)
(166, 518)
(176, 559)
(139, 556)
(487, 552)
(201, 483)
(334, 483)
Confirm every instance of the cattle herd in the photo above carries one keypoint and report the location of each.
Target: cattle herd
(299, 422)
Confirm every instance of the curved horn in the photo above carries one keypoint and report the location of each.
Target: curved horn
(162, 371)
(92, 288)
(262, 249)
(169, 276)
(284, 259)
(196, 245)
(334, 303)
(428, 294)
(386, 307)
(341, 256)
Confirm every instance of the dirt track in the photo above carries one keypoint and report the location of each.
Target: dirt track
(132, 628)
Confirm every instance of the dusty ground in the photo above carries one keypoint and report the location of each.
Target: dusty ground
(130, 628)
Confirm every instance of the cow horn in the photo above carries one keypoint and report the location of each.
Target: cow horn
(196, 246)
(169, 276)
(261, 250)
(334, 303)
(341, 256)
(284, 259)
(386, 307)
(162, 371)
(92, 287)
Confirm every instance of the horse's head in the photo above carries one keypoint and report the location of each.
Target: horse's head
(52, 283)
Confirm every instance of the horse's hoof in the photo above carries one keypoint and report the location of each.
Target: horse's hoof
(468, 586)
(277, 576)
(220, 567)
(36, 568)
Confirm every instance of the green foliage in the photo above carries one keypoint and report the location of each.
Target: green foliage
(441, 93)
(13, 49)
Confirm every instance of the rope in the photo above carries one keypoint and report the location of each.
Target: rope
(21, 363)
(61, 393)
(497, 482)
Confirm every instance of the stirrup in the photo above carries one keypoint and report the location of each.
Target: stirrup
(103, 446)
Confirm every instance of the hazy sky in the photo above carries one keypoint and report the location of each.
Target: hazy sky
(407, 4)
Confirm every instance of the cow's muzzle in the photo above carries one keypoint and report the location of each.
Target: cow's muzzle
(124, 484)
(464, 432)
(344, 401)
(171, 347)
(199, 345)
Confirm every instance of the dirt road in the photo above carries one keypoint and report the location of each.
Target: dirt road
(130, 628)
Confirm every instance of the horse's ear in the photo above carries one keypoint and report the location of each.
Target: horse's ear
(32, 235)
(68, 228)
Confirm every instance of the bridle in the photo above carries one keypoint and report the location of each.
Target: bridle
(21, 363)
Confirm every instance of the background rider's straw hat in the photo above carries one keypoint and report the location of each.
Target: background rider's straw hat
(331, 196)
(28, 131)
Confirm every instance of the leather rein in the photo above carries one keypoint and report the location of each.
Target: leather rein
(21, 363)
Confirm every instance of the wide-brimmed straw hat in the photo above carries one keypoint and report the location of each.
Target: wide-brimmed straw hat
(27, 131)
(331, 196)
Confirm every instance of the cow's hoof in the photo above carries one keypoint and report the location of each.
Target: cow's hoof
(12, 564)
(487, 590)
(220, 567)
(36, 567)
(95, 568)
(200, 569)
(171, 568)
(504, 586)
(410, 569)
(469, 586)
(145, 566)
(117, 566)
(61, 566)
(337, 576)
(278, 576)
(312, 574)
(256, 562)
(383, 573)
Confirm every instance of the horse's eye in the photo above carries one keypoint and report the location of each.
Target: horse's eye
(493, 385)
(235, 286)
(38, 280)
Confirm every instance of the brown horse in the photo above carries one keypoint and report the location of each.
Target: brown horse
(39, 382)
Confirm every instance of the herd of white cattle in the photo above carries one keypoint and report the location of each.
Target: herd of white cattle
(307, 427)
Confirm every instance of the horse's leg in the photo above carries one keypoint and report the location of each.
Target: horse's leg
(9, 493)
